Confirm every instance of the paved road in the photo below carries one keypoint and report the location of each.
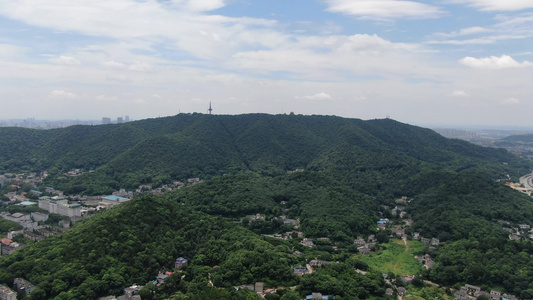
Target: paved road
(527, 181)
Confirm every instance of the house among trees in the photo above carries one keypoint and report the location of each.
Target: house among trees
(402, 291)
(300, 271)
(316, 296)
(181, 262)
(359, 241)
(23, 286)
(364, 250)
(317, 263)
(7, 293)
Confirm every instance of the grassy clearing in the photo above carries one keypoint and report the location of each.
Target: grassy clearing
(393, 258)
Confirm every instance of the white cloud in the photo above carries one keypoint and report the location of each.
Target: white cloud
(173, 23)
(501, 5)
(114, 65)
(319, 96)
(384, 9)
(65, 60)
(459, 94)
(140, 66)
(118, 78)
(494, 62)
(62, 94)
(511, 101)
(104, 98)
(205, 5)
(8, 51)
(473, 30)
(463, 42)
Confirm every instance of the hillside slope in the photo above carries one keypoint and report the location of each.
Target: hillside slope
(175, 148)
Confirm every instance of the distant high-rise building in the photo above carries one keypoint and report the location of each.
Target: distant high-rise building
(120, 120)
(126, 118)
(106, 120)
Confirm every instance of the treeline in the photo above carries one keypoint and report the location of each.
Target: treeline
(468, 205)
(492, 263)
(133, 242)
(369, 155)
(325, 207)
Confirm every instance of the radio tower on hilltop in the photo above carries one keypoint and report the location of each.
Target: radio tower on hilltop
(210, 109)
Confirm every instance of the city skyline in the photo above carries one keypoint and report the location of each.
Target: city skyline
(450, 62)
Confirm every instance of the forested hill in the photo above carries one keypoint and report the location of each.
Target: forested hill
(516, 140)
(156, 151)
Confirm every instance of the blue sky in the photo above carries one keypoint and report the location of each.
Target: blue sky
(456, 62)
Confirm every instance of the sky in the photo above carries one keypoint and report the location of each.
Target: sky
(453, 62)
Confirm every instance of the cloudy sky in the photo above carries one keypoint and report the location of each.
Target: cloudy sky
(463, 62)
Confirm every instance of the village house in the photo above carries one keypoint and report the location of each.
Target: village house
(290, 222)
(461, 295)
(193, 180)
(316, 296)
(23, 286)
(293, 234)
(514, 237)
(407, 279)
(180, 263)
(495, 294)
(317, 263)
(364, 250)
(8, 246)
(7, 293)
(255, 217)
(524, 227)
(32, 236)
(372, 238)
(402, 291)
(143, 188)
(416, 236)
(471, 289)
(308, 242)
(359, 241)
(300, 271)
(400, 233)
(12, 234)
(130, 293)
(425, 241)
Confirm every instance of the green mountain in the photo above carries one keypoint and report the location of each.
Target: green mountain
(132, 242)
(350, 171)
(161, 150)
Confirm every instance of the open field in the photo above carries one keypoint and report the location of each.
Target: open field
(393, 258)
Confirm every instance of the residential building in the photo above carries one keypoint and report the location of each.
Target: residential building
(316, 263)
(181, 262)
(300, 271)
(39, 217)
(60, 206)
(23, 286)
(7, 293)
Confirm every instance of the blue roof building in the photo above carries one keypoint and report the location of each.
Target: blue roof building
(115, 198)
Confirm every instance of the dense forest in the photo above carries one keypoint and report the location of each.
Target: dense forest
(368, 155)
(350, 174)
